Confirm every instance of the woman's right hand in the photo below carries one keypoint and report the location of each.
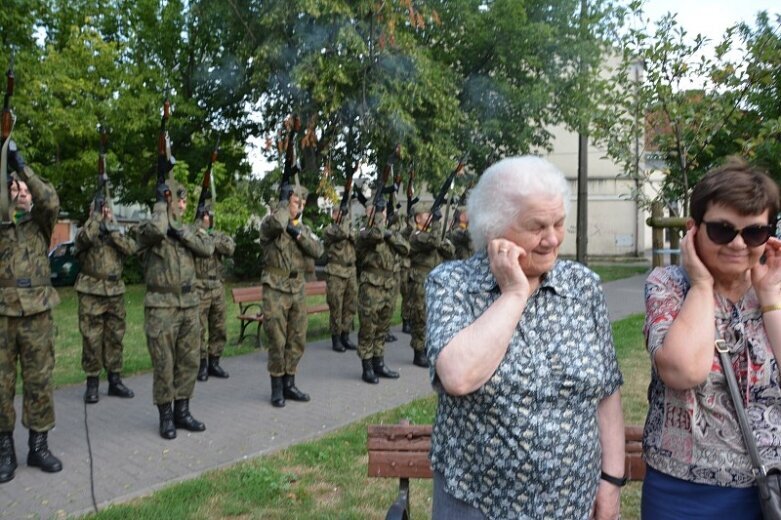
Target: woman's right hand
(504, 258)
(697, 271)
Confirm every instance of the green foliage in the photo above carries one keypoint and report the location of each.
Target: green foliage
(694, 102)
(247, 256)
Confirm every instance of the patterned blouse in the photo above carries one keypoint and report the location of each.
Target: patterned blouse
(693, 434)
(525, 444)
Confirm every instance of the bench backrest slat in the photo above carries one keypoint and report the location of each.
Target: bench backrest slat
(401, 451)
(247, 294)
(314, 288)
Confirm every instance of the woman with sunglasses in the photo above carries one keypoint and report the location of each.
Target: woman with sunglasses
(728, 287)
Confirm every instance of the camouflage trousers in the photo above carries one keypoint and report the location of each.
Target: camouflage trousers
(404, 289)
(393, 296)
(374, 312)
(31, 341)
(284, 320)
(102, 327)
(417, 306)
(212, 319)
(341, 296)
(172, 335)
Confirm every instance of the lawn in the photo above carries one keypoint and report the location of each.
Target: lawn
(67, 368)
(326, 478)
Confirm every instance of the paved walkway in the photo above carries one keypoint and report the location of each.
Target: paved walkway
(130, 459)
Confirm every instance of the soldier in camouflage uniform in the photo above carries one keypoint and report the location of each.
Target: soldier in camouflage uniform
(427, 250)
(341, 281)
(171, 320)
(287, 244)
(376, 298)
(395, 225)
(101, 249)
(459, 235)
(26, 326)
(209, 272)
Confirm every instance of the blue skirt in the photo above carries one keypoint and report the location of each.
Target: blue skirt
(670, 498)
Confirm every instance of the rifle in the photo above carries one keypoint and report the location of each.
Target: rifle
(103, 195)
(344, 205)
(291, 167)
(165, 160)
(207, 186)
(461, 202)
(392, 191)
(384, 179)
(442, 194)
(411, 198)
(7, 125)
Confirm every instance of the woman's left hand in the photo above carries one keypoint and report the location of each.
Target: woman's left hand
(607, 505)
(766, 277)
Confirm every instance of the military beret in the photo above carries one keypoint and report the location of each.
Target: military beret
(302, 192)
(422, 207)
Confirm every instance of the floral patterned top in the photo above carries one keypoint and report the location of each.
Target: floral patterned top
(693, 434)
(526, 444)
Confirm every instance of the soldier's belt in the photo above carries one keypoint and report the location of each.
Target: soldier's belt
(210, 277)
(109, 277)
(281, 272)
(25, 283)
(184, 289)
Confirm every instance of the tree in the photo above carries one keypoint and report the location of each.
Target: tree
(691, 108)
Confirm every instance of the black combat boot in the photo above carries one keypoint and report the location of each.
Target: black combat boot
(117, 388)
(378, 364)
(215, 369)
(91, 393)
(336, 344)
(291, 391)
(277, 392)
(368, 372)
(390, 338)
(405, 327)
(203, 370)
(345, 339)
(420, 359)
(39, 455)
(183, 418)
(167, 428)
(7, 457)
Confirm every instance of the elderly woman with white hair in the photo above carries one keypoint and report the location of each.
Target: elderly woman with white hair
(529, 421)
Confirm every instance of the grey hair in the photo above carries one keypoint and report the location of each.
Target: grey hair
(498, 197)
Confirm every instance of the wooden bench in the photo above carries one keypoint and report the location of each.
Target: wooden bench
(250, 310)
(401, 451)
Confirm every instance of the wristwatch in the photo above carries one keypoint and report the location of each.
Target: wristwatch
(620, 482)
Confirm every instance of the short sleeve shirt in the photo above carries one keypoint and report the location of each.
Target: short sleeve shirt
(525, 444)
(693, 434)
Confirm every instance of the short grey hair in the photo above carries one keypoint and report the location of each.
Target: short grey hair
(498, 196)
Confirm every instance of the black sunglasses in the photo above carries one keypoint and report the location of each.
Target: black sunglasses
(723, 233)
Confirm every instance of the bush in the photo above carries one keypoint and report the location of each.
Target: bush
(246, 257)
(133, 271)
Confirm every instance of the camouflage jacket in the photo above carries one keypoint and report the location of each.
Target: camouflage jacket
(427, 250)
(101, 255)
(169, 266)
(340, 248)
(209, 271)
(459, 237)
(285, 258)
(377, 248)
(25, 276)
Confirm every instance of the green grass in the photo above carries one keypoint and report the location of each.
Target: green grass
(611, 272)
(67, 369)
(326, 478)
